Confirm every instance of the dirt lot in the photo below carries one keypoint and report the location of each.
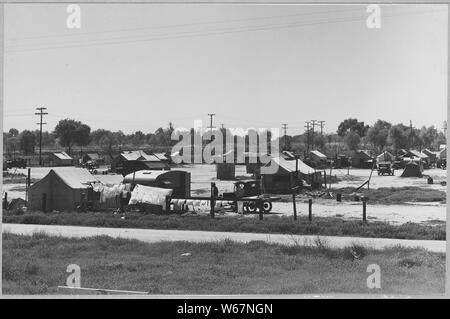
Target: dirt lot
(203, 175)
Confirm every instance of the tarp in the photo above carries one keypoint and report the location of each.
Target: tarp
(318, 154)
(385, 157)
(74, 177)
(412, 169)
(149, 195)
(289, 166)
(63, 156)
(139, 155)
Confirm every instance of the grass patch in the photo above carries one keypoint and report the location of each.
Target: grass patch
(37, 265)
(398, 195)
(325, 226)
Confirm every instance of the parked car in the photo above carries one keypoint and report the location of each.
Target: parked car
(385, 168)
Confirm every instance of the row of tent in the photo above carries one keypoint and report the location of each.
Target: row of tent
(63, 159)
(65, 188)
(364, 158)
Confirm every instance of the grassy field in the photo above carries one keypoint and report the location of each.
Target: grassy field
(37, 265)
(330, 226)
(397, 195)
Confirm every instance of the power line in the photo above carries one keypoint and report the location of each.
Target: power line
(307, 136)
(187, 24)
(215, 32)
(285, 136)
(41, 113)
(313, 122)
(322, 124)
(211, 115)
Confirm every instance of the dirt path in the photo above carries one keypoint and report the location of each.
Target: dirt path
(395, 214)
(151, 236)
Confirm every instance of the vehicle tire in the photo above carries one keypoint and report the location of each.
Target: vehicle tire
(250, 207)
(267, 206)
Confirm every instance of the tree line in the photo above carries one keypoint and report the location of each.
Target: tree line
(350, 135)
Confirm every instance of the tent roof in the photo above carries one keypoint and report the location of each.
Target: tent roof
(161, 156)
(318, 154)
(418, 154)
(364, 152)
(109, 179)
(93, 156)
(289, 166)
(138, 155)
(74, 177)
(63, 155)
(385, 154)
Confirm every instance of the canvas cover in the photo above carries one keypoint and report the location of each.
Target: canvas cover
(412, 169)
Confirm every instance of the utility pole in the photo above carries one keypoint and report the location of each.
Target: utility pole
(285, 128)
(211, 115)
(313, 122)
(410, 133)
(307, 132)
(40, 113)
(322, 124)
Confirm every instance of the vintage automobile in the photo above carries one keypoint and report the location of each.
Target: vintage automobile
(385, 168)
(251, 190)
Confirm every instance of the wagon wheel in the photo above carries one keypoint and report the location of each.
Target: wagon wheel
(267, 206)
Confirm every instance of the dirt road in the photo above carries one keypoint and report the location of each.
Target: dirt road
(152, 236)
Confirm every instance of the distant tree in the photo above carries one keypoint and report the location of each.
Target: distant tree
(398, 137)
(13, 132)
(10, 144)
(82, 135)
(319, 141)
(27, 142)
(427, 136)
(138, 138)
(352, 125)
(351, 140)
(378, 134)
(66, 132)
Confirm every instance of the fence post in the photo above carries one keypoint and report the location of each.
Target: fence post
(364, 200)
(5, 201)
(310, 209)
(294, 205)
(260, 208)
(167, 203)
(212, 201)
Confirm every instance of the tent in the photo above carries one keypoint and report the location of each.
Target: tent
(317, 159)
(178, 180)
(92, 157)
(59, 159)
(139, 155)
(133, 166)
(385, 157)
(412, 169)
(362, 159)
(284, 178)
(62, 188)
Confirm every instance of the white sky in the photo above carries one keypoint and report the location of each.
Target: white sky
(137, 67)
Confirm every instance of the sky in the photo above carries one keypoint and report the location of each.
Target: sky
(137, 67)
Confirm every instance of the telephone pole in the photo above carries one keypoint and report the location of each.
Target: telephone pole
(313, 122)
(285, 129)
(322, 124)
(41, 113)
(307, 132)
(211, 115)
